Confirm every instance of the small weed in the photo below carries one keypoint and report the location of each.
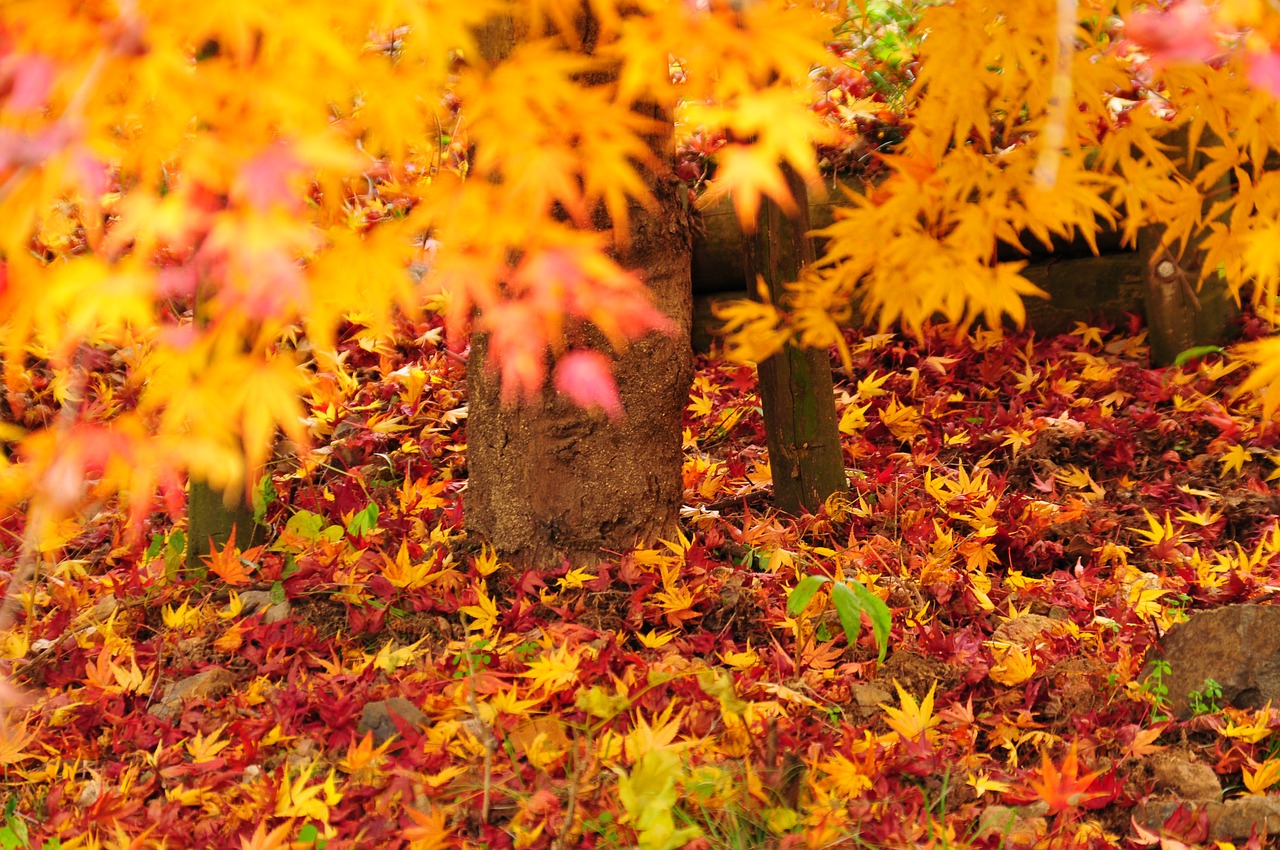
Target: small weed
(1205, 700)
(1159, 691)
(850, 599)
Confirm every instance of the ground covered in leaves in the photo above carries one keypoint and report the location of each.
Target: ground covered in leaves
(1035, 513)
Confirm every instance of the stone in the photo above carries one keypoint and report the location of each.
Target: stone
(1237, 646)
(1232, 820)
(208, 684)
(1015, 826)
(1025, 629)
(1185, 779)
(378, 718)
(259, 601)
(866, 699)
(1239, 816)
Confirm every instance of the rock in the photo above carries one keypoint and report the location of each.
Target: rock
(105, 607)
(1016, 826)
(1240, 815)
(1185, 779)
(1237, 646)
(259, 601)
(378, 718)
(866, 698)
(1233, 820)
(206, 685)
(1024, 630)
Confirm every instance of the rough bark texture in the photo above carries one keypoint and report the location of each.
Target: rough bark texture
(796, 390)
(549, 480)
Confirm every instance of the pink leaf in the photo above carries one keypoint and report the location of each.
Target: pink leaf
(587, 378)
(1182, 33)
(28, 83)
(269, 179)
(1264, 70)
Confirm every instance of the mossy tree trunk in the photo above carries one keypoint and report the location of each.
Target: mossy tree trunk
(796, 388)
(211, 520)
(1184, 311)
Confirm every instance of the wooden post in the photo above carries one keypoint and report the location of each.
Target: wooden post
(796, 389)
(1183, 311)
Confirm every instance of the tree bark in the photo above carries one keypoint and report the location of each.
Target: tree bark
(796, 389)
(548, 480)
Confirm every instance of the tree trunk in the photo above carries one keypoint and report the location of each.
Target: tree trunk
(1183, 311)
(548, 480)
(210, 520)
(796, 390)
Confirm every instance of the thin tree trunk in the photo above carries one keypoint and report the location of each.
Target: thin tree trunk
(1183, 312)
(796, 389)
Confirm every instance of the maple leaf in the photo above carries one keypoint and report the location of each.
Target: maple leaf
(554, 670)
(14, 739)
(1063, 788)
(206, 748)
(1143, 743)
(587, 378)
(227, 564)
(363, 757)
(1014, 665)
(1265, 776)
(431, 830)
(913, 719)
(276, 839)
(982, 783)
(298, 799)
(1234, 459)
(484, 613)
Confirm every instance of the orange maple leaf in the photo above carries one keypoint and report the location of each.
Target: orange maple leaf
(1065, 788)
(227, 564)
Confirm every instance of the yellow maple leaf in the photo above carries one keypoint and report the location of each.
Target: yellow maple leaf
(404, 574)
(300, 800)
(1234, 459)
(204, 748)
(484, 613)
(554, 671)
(1258, 781)
(14, 740)
(1013, 665)
(913, 718)
(981, 783)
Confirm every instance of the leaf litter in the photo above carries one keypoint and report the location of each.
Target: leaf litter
(1033, 512)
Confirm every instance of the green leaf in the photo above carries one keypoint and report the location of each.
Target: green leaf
(800, 595)
(157, 544)
(364, 522)
(1198, 351)
(263, 496)
(877, 612)
(311, 527)
(848, 609)
(310, 835)
(277, 593)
